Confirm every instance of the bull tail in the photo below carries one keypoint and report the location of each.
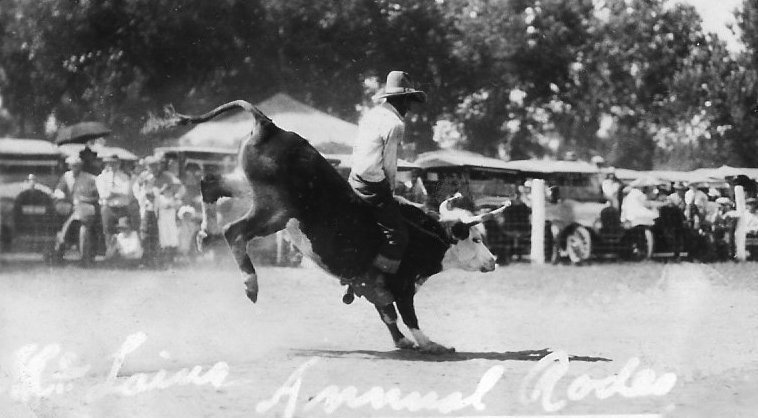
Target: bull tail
(172, 118)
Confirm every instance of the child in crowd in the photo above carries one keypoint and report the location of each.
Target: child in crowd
(125, 244)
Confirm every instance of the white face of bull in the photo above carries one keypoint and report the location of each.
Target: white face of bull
(469, 252)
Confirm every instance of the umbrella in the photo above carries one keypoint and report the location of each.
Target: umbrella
(81, 132)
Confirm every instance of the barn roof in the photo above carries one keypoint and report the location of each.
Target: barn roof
(326, 132)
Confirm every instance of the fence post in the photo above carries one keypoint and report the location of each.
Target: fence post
(740, 234)
(537, 254)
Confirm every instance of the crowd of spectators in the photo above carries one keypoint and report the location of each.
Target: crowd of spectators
(145, 214)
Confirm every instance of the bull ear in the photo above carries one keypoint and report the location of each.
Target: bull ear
(460, 230)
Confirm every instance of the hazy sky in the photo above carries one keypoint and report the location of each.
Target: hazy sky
(716, 14)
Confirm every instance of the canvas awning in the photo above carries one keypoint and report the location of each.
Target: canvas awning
(325, 132)
(101, 150)
(457, 158)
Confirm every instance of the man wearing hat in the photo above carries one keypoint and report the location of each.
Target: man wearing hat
(80, 188)
(380, 133)
(114, 187)
(677, 198)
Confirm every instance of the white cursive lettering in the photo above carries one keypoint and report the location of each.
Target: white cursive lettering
(333, 397)
(143, 382)
(551, 368)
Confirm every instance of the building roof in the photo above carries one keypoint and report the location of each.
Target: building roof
(457, 158)
(327, 133)
(24, 146)
(346, 161)
(552, 166)
(101, 150)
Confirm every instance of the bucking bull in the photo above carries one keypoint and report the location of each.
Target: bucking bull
(292, 186)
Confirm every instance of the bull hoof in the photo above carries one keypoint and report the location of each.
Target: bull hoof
(251, 286)
(436, 349)
(405, 344)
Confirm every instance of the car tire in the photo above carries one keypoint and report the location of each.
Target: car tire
(579, 245)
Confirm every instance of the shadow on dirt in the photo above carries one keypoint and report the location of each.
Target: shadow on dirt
(415, 355)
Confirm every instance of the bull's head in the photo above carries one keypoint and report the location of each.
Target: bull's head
(467, 251)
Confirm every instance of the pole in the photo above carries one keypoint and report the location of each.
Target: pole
(740, 232)
(537, 255)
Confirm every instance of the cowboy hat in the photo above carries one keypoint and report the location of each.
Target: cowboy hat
(399, 84)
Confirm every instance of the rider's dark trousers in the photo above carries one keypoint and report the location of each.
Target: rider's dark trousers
(386, 211)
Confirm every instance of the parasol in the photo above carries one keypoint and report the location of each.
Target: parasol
(81, 132)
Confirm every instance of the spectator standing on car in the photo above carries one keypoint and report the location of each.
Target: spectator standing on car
(115, 189)
(611, 188)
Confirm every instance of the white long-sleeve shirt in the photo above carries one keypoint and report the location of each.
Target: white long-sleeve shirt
(114, 187)
(380, 133)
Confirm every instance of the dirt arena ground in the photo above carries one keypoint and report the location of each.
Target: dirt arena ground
(651, 338)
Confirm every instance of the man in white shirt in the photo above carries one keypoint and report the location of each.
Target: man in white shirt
(697, 198)
(115, 190)
(380, 133)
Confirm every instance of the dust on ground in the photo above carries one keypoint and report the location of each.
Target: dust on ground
(694, 322)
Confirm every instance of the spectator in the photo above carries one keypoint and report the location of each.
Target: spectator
(80, 188)
(751, 215)
(125, 244)
(191, 181)
(114, 188)
(677, 197)
(171, 165)
(188, 227)
(169, 193)
(611, 188)
(695, 201)
(144, 192)
(635, 208)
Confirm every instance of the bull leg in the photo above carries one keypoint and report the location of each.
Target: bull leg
(237, 235)
(408, 313)
(389, 317)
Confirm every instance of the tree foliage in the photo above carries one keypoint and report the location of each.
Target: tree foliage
(637, 81)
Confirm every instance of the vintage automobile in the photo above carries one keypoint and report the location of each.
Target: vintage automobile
(485, 184)
(29, 217)
(582, 223)
(208, 159)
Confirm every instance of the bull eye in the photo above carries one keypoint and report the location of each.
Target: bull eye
(477, 240)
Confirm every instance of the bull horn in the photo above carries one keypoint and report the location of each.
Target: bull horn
(444, 211)
(480, 218)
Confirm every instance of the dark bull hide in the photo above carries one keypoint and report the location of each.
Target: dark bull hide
(290, 185)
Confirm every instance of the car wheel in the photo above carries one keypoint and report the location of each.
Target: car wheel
(579, 245)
